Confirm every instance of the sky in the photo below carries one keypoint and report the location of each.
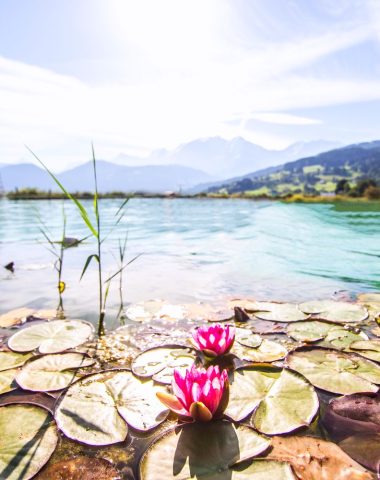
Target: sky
(138, 75)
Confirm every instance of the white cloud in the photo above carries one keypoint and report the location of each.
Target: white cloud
(189, 77)
(283, 119)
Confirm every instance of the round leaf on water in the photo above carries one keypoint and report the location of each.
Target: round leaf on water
(94, 409)
(12, 359)
(51, 372)
(335, 371)
(7, 380)
(338, 312)
(282, 312)
(52, 337)
(352, 414)
(315, 459)
(267, 351)
(281, 400)
(332, 335)
(160, 362)
(369, 349)
(341, 338)
(201, 450)
(28, 438)
(247, 338)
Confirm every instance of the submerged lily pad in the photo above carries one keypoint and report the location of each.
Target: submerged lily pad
(28, 439)
(51, 372)
(337, 312)
(281, 400)
(316, 459)
(203, 451)
(282, 312)
(80, 468)
(364, 448)
(267, 351)
(335, 371)
(94, 410)
(52, 337)
(159, 363)
(369, 349)
(7, 380)
(12, 360)
(332, 335)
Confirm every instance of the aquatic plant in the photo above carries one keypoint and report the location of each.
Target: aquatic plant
(198, 393)
(96, 231)
(214, 340)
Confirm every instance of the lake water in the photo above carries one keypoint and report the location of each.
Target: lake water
(194, 249)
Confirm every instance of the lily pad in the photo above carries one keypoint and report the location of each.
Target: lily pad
(7, 380)
(282, 312)
(159, 363)
(15, 317)
(369, 349)
(337, 312)
(314, 458)
(51, 372)
(282, 400)
(12, 360)
(332, 335)
(202, 451)
(18, 396)
(267, 351)
(80, 468)
(352, 414)
(247, 338)
(28, 439)
(94, 409)
(335, 371)
(52, 337)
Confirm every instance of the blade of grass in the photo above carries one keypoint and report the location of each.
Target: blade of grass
(80, 207)
(122, 268)
(88, 261)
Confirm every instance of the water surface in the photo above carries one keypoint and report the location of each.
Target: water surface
(194, 249)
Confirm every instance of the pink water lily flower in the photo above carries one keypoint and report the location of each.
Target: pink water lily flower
(198, 393)
(214, 340)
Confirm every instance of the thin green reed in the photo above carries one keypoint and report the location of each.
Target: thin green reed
(96, 230)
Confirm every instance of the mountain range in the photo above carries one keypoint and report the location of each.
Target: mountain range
(311, 175)
(200, 162)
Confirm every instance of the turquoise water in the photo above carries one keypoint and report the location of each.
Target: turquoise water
(199, 249)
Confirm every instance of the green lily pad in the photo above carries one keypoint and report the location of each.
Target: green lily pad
(337, 312)
(335, 371)
(369, 349)
(12, 360)
(28, 439)
(159, 363)
(267, 351)
(7, 380)
(94, 409)
(202, 451)
(52, 337)
(332, 335)
(247, 338)
(282, 400)
(282, 312)
(51, 372)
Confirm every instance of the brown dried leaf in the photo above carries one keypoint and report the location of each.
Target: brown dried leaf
(313, 458)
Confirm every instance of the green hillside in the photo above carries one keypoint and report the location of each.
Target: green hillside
(352, 170)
